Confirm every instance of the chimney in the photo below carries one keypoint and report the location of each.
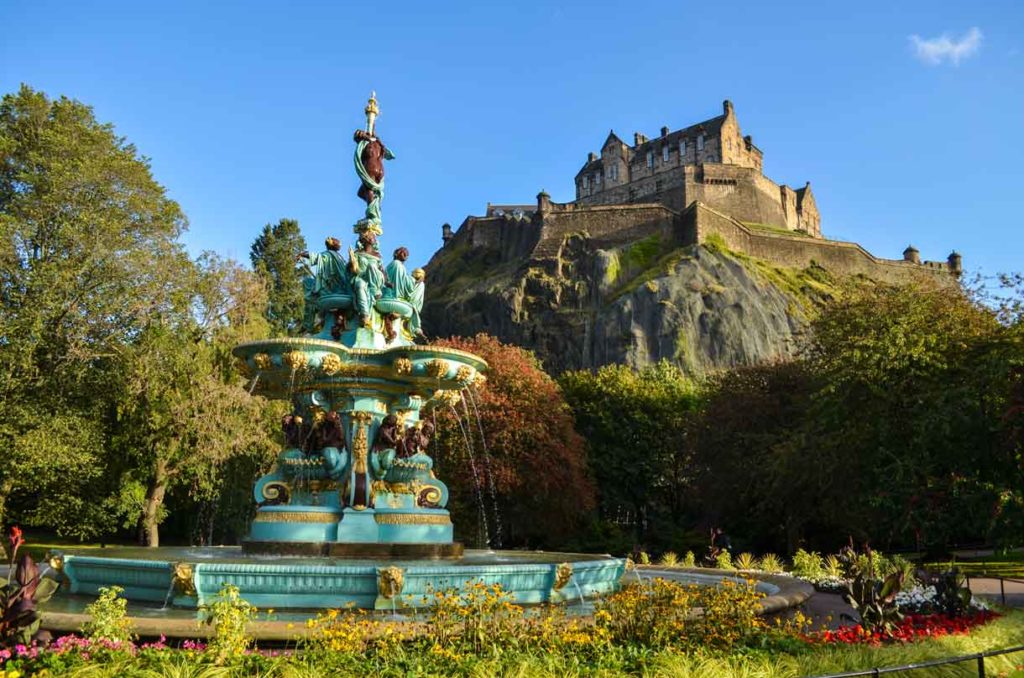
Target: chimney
(727, 107)
(749, 141)
(912, 255)
(591, 157)
(446, 233)
(664, 131)
(637, 138)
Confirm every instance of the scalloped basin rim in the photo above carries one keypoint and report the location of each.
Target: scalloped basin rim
(235, 554)
(397, 351)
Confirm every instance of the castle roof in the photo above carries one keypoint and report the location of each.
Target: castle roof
(710, 127)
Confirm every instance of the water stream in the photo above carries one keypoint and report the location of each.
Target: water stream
(487, 461)
(485, 532)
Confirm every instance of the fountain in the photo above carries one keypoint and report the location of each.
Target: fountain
(352, 512)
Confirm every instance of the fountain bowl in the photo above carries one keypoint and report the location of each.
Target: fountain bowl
(191, 577)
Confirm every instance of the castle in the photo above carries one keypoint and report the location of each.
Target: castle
(698, 183)
(710, 162)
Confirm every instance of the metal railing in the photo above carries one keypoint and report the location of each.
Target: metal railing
(1002, 583)
(978, 658)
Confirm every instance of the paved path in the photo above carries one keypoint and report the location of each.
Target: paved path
(989, 589)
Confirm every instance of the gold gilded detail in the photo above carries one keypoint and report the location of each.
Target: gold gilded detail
(330, 364)
(464, 374)
(437, 368)
(390, 581)
(274, 491)
(563, 573)
(360, 442)
(448, 397)
(412, 519)
(296, 360)
(55, 559)
(402, 366)
(184, 578)
(430, 495)
(262, 361)
(295, 517)
(368, 352)
(479, 379)
(630, 565)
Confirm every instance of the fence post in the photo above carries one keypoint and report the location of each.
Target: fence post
(1002, 590)
(981, 666)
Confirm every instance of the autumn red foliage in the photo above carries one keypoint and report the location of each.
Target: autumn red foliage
(533, 481)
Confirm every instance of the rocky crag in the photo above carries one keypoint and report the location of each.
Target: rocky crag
(582, 300)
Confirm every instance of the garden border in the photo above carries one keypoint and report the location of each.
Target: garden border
(790, 590)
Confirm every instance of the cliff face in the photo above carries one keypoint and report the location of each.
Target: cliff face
(588, 303)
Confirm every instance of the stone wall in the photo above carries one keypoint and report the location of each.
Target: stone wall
(843, 258)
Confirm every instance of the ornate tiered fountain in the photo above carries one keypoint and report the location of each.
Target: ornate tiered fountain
(355, 478)
(352, 513)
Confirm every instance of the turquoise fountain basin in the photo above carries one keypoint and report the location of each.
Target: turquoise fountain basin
(191, 577)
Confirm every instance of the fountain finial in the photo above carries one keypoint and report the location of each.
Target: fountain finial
(371, 111)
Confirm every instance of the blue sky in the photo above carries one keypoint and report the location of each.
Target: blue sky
(247, 109)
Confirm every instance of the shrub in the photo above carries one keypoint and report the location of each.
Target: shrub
(644, 558)
(662, 615)
(669, 559)
(771, 563)
(723, 561)
(689, 560)
(229, 615)
(746, 561)
(108, 617)
(833, 567)
(808, 565)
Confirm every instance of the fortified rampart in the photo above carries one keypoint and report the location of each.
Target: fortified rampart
(539, 237)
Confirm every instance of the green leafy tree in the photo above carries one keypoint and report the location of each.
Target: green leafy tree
(636, 424)
(273, 256)
(183, 409)
(88, 251)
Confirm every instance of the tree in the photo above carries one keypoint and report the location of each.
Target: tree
(88, 251)
(273, 256)
(636, 424)
(527, 460)
(183, 408)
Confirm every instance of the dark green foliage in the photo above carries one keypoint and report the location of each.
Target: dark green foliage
(273, 256)
(636, 424)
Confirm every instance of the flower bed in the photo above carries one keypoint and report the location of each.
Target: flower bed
(912, 627)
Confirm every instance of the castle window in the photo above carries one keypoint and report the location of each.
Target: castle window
(650, 159)
(682, 149)
(658, 186)
(700, 142)
(597, 179)
(664, 153)
(586, 183)
(613, 172)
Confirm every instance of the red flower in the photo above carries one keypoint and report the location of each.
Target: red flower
(15, 540)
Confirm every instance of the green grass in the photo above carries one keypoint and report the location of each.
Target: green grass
(1001, 565)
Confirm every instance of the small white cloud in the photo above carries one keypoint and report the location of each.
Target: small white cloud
(935, 51)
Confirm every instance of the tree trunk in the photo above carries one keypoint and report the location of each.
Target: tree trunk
(150, 525)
